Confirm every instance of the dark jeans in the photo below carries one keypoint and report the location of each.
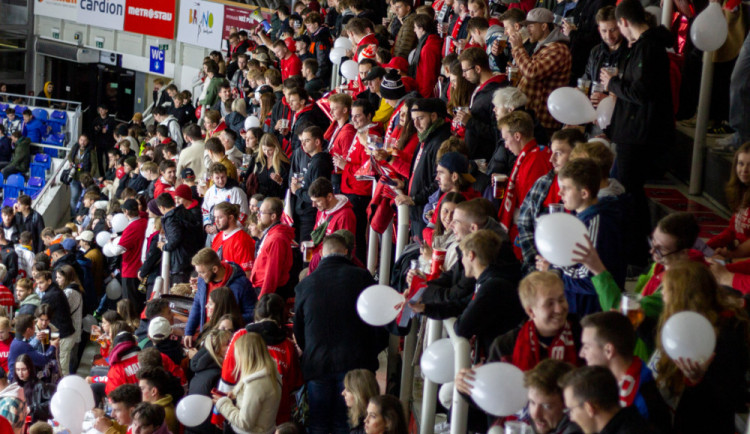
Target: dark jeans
(328, 412)
(130, 292)
(633, 173)
(9, 170)
(359, 206)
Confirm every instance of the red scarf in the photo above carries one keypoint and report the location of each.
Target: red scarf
(630, 383)
(526, 353)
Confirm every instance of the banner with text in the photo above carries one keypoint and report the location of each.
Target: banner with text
(63, 9)
(201, 23)
(241, 19)
(150, 17)
(109, 14)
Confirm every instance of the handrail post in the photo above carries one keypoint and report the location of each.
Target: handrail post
(430, 390)
(165, 265)
(666, 13)
(372, 244)
(462, 360)
(386, 250)
(402, 232)
(157, 287)
(701, 124)
(407, 367)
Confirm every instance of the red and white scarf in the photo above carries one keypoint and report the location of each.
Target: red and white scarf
(526, 353)
(630, 383)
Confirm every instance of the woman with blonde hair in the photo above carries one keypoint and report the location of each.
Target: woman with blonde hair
(271, 168)
(716, 386)
(206, 367)
(236, 119)
(127, 312)
(258, 392)
(360, 386)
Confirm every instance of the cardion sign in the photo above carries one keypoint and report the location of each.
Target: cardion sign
(109, 14)
(150, 17)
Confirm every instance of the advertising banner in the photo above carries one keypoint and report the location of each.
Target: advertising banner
(109, 14)
(201, 23)
(241, 19)
(64, 9)
(150, 17)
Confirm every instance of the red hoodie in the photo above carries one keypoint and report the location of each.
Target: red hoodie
(132, 240)
(428, 68)
(290, 66)
(356, 157)
(340, 216)
(274, 260)
(340, 141)
(161, 186)
(124, 366)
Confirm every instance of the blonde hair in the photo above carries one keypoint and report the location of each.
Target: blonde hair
(214, 341)
(252, 356)
(535, 284)
(363, 386)
(183, 289)
(269, 140)
(240, 107)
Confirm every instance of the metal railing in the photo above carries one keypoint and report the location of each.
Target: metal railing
(462, 360)
(166, 259)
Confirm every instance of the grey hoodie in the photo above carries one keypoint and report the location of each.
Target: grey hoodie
(555, 36)
(614, 189)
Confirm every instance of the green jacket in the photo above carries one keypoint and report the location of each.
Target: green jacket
(211, 93)
(21, 155)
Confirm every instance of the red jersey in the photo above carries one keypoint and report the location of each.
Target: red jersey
(6, 297)
(290, 66)
(236, 246)
(4, 352)
(132, 240)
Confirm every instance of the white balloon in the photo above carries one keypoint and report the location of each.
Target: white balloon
(689, 335)
(709, 30)
(437, 361)
(336, 54)
(119, 223)
(103, 237)
(79, 385)
(570, 106)
(114, 289)
(344, 43)
(251, 122)
(498, 389)
(68, 409)
(193, 410)
(445, 394)
(350, 69)
(556, 236)
(376, 305)
(604, 112)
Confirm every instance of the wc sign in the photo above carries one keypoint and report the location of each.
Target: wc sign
(156, 64)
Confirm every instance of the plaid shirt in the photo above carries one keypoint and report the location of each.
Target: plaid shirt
(531, 208)
(541, 73)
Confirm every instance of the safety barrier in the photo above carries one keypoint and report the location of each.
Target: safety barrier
(459, 407)
(166, 259)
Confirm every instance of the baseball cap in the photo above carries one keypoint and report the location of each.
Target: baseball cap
(539, 15)
(375, 72)
(87, 236)
(159, 328)
(69, 244)
(457, 163)
(398, 63)
(56, 248)
(130, 205)
(187, 173)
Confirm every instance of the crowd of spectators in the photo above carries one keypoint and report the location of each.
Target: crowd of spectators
(267, 188)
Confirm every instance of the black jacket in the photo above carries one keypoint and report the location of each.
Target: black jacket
(333, 337)
(481, 129)
(178, 225)
(185, 114)
(82, 163)
(629, 421)
(103, 130)
(600, 56)
(314, 87)
(267, 186)
(586, 36)
(206, 375)
(319, 166)
(136, 181)
(315, 116)
(10, 260)
(34, 223)
(643, 114)
(493, 310)
(503, 345)
(6, 149)
(321, 48)
(151, 268)
(61, 318)
(423, 174)
(170, 347)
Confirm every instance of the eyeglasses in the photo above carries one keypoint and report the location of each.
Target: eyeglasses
(570, 409)
(658, 251)
(467, 69)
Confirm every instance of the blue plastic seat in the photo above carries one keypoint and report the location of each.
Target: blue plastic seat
(10, 201)
(40, 114)
(55, 139)
(13, 186)
(3, 107)
(38, 171)
(20, 109)
(59, 117)
(34, 185)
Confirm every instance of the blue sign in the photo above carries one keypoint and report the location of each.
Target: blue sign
(156, 63)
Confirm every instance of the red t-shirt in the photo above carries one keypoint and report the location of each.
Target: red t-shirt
(237, 247)
(4, 352)
(290, 66)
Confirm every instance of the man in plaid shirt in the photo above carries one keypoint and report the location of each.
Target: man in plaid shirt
(544, 192)
(547, 68)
